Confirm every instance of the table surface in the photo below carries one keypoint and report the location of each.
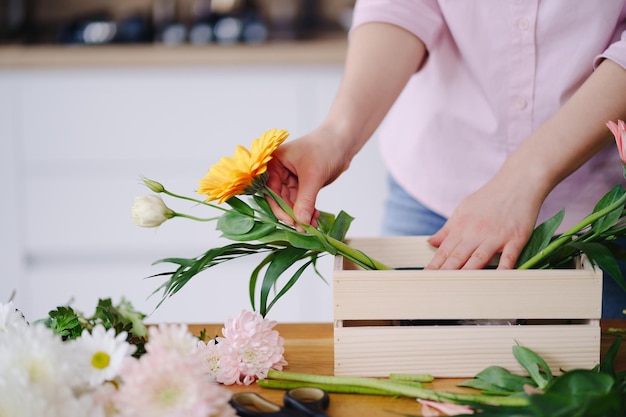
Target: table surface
(309, 349)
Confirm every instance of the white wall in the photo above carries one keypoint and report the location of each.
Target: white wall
(74, 143)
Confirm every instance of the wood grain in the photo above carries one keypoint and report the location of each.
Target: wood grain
(309, 349)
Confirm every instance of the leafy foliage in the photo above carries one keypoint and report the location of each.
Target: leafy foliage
(594, 236)
(286, 250)
(69, 323)
(598, 392)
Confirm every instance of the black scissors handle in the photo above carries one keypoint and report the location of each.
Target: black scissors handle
(251, 404)
(299, 402)
(309, 401)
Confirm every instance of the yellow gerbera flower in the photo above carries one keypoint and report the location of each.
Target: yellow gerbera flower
(245, 172)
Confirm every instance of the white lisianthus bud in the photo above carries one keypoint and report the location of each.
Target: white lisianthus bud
(150, 211)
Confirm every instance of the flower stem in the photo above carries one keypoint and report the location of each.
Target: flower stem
(333, 388)
(182, 197)
(395, 388)
(347, 251)
(200, 219)
(555, 244)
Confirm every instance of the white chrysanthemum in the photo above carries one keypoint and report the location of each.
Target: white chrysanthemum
(171, 337)
(99, 354)
(19, 400)
(36, 375)
(10, 317)
(36, 356)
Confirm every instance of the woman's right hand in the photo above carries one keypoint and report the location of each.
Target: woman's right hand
(369, 87)
(300, 168)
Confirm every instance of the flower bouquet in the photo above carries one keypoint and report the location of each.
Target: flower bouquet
(254, 229)
(251, 226)
(110, 364)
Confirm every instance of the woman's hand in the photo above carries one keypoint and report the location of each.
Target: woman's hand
(489, 222)
(300, 168)
(500, 217)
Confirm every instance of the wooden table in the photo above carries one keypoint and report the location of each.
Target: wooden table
(309, 349)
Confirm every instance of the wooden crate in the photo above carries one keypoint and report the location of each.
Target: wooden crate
(456, 323)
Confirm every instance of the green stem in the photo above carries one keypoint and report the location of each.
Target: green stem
(200, 219)
(412, 377)
(333, 388)
(555, 244)
(347, 251)
(399, 389)
(204, 203)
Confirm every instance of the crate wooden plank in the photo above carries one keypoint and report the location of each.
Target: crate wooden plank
(460, 351)
(554, 312)
(488, 294)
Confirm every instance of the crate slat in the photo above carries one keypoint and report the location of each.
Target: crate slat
(562, 309)
(460, 351)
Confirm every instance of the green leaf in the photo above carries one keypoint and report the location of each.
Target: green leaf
(65, 322)
(541, 237)
(234, 223)
(240, 206)
(264, 207)
(325, 221)
(259, 231)
(534, 364)
(503, 380)
(582, 382)
(602, 256)
(305, 241)
(609, 219)
(607, 365)
(294, 278)
(255, 276)
(340, 226)
(284, 259)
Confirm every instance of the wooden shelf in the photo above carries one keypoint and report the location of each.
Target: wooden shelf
(314, 52)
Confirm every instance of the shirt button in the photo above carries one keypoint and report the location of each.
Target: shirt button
(521, 104)
(523, 23)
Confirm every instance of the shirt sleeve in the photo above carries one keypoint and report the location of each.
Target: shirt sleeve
(617, 49)
(615, 52)
(422, 18)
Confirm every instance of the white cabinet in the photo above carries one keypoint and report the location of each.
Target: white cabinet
(74, 142)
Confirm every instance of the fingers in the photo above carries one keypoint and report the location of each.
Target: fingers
(299, 196)
(469, 254)
(460, 254)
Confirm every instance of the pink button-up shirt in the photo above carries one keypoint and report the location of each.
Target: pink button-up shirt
(496, 70)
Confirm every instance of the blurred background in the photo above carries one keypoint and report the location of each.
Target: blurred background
(94, 95)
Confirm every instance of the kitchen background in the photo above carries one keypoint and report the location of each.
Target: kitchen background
(79, 125)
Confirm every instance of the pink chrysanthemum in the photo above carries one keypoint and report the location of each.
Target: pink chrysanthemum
(210, 357)
(171, 337)
(251, 347)
(168, 383)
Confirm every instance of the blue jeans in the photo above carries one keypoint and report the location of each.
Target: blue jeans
(405, 216)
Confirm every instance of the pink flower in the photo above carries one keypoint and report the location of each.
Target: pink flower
(619, 131)
(171, 337)
(433, 408)
(210, 357)
(168, 383)
(249, 348)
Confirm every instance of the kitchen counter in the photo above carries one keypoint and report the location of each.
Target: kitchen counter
(326, 51)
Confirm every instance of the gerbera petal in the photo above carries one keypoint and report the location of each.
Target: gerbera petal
(235, 176)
